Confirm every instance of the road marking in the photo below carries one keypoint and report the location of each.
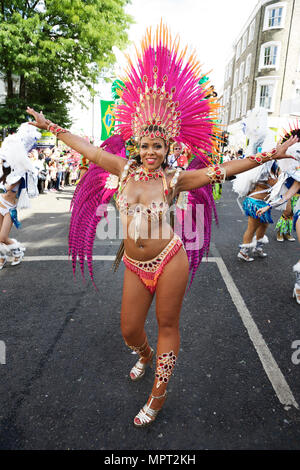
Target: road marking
(65, 258)
(269, 364)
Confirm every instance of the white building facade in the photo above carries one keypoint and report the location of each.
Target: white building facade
(264, 67)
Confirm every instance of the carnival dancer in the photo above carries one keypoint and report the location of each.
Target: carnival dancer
(255, 185)
(161, 102)
(280, 195)
(15, 168)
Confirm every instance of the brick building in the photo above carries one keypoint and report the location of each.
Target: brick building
(263, 69)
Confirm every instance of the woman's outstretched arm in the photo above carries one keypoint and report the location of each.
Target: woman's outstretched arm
(281, 199)
(108, 161)
(193, 179)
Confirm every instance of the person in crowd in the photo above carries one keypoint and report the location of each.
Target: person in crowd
(173, 158)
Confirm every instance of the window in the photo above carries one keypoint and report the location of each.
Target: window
(266, 92)
(241, 75)
(244, 41)
(248, 66)
(244, 103)
(238, 106)
(269, 55)
(251, 31)
(275, 16)
(232, 114)
(236, 77)
(238, 50)
(265, 96)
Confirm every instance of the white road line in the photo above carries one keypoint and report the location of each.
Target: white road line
(65, 258)
(269, 364)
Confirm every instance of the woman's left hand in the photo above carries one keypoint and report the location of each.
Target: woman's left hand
(261, 211)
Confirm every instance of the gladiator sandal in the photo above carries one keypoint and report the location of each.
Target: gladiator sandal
(164, 368)
(258, 249)
(139, 369)
(244, 252)
(147, 415)
(296, 294)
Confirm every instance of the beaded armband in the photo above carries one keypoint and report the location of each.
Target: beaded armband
(174, 180)
(264, 157)
(55, 129)
(216, 174)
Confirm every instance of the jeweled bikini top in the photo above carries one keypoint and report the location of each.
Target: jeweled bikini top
(155, 210)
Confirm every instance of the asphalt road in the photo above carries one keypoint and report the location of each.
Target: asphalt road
(65, 382)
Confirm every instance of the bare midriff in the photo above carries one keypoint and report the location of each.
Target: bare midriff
(10, 197)
(155, 230)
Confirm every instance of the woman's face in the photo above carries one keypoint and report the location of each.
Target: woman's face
(152, 152)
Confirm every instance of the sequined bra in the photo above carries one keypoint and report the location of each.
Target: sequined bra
(155, 211)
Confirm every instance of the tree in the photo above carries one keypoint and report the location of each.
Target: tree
(50, 45)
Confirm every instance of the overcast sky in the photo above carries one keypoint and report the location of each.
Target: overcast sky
(209, 26)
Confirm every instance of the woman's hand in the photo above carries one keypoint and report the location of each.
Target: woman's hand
(261, 211)
(282, 149)
(40, 121)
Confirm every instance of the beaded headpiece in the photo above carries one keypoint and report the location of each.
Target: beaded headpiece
(161, 96)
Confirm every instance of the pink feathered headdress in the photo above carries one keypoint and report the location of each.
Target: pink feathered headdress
(162, 89)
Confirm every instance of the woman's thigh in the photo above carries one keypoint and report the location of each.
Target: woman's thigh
(136, 301)
(171, 288)
(5, 227)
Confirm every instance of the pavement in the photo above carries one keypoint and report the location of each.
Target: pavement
(64, 371)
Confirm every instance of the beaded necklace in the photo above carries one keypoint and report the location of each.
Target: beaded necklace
(139, 173)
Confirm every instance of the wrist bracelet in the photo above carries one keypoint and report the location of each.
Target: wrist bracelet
(55, 129)
(264, 157)
(216, 174)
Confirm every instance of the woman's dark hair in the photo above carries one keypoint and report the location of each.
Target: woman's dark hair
(153, 129)
(6, 171)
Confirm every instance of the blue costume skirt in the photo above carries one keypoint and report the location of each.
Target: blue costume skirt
(251, 205)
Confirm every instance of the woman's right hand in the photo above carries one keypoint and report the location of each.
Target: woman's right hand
(40, 121)
(282, 149)
(261, 211)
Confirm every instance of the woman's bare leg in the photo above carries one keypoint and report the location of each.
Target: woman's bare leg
(5, 229)
(253, 225)
(169, 296)
(136, 302)
(261, 230)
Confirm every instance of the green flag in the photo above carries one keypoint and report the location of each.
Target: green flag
(107, 119)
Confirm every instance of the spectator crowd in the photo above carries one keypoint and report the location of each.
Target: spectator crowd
(55, 169)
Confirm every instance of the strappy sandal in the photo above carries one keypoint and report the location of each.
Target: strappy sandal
(139, 369)
(147, 415)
